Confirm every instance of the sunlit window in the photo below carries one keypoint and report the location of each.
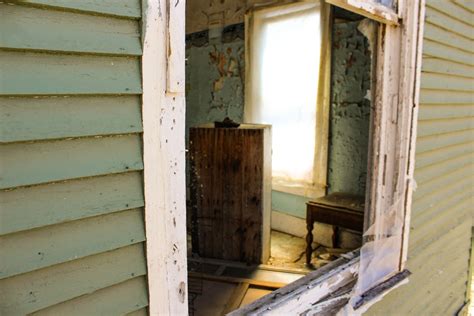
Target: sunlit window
(284, 59)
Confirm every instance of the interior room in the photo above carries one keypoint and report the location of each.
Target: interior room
(278, 112)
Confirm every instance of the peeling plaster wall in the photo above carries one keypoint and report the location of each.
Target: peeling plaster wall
(215, 89)
(215, 76)
(350, 110)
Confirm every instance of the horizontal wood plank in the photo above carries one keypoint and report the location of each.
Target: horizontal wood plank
(121, 8)
(441, 140)
(465, 4)
(442, 36)
(118, 299)
(445, 153)
(449, 23)
(140, 312)
(434, 204)
(35, 163)
(442, 180)
(452, 10)
(28, 28)
(441, 126)
(445, 67)
(26, 118)
(438, 50)
(445, 97)
(54, 74)
(39, 248)
(446, 166)
(30, 292)
(42, 205)
(432, 112)
(446, 82)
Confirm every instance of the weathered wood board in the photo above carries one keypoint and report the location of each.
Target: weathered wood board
(230, 192)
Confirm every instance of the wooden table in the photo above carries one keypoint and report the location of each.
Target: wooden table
(337, 209)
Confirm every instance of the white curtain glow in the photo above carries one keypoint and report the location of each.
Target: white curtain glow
(284, 84)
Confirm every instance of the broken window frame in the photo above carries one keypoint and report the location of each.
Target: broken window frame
(370, 9)
(320, 161)
(356, 281)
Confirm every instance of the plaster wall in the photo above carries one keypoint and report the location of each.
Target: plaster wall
(215, 89)
(350, 110)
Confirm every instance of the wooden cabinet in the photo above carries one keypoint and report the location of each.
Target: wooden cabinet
(231, 192)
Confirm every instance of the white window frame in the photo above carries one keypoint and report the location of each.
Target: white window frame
(391, 182)
(163, 109)
(395, 114)
(320, 160)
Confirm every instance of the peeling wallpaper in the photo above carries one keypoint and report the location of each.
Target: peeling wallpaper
(215, 77)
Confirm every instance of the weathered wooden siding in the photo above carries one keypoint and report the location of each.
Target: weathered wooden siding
(440, 236)
(71, 186)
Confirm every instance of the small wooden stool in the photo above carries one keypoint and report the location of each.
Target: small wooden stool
(337, 209)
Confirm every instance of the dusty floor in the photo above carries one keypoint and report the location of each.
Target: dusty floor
(289, 251)
(214, 284)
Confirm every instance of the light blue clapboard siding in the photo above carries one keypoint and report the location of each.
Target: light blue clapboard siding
(72, 231)
(41, 205)
(52, 117)
(130, 9)
(36, 290)
(442, 210)
(40, 29)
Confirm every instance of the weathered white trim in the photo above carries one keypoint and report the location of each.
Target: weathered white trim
(163, 156)
(298, 297)
(369, 9)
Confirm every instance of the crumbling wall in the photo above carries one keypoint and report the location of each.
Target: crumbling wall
(350, 110)
(215, 66)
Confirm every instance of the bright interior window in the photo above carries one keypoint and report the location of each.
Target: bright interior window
(285, 49)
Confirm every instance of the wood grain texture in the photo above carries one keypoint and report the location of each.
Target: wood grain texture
(59, 31)
(118, 299)
(227, 192)
(36, 206)
(47, 74)
(25, 118)
(37, 290)
(41, 162)
(122, 8)
(50, 245)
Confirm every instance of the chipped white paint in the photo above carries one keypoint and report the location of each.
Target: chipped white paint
(299, 296)
(164, 157)
(370, 9)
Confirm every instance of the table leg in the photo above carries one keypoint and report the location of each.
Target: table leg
(335, 236)
(309, 236)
